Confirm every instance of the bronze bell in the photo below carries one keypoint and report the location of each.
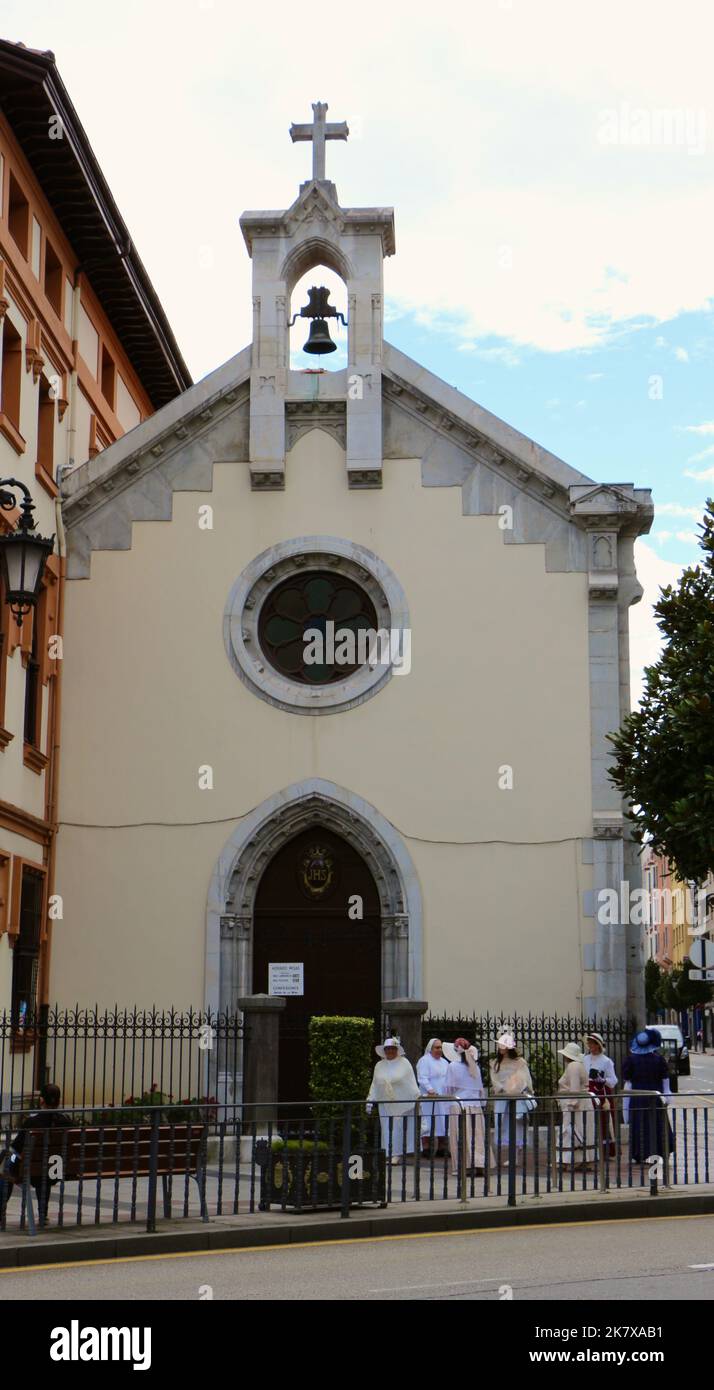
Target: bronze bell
(319, 340)
(318, 309)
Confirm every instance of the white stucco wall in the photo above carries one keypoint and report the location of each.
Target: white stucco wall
(499, 675)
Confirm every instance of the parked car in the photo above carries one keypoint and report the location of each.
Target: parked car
(675, 1049)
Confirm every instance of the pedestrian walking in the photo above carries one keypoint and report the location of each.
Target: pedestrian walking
(394, 1088)
(602, 1082)
(576, 1104)
(49, 1116)
(432, 1071)
(465, 1083)
(510, 1080)
(645, 1069)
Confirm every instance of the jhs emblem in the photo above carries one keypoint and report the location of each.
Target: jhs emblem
(317, 870)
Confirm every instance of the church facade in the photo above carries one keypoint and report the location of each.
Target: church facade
(342, 652)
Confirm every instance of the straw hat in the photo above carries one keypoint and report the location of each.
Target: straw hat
(389, 1042)
(572, 1052)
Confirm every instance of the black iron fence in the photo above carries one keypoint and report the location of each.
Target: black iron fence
(538, 1037)
(122, 1056)
(96, 1166)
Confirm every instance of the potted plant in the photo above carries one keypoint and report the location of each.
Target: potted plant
(306, 1171)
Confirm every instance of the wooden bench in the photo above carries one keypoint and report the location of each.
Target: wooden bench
(97, 1152)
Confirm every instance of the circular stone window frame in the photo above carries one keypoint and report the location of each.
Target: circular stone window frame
(263, 575)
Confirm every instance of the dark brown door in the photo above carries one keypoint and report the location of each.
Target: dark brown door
(301, 917)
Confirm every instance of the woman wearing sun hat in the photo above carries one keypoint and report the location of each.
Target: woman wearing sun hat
(394, 1088)
(577, 1106)
(645, 1069)
(465, 1083)
(602, 1082)
(510, 1080)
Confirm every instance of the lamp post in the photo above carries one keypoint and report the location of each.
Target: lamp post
(23, 553)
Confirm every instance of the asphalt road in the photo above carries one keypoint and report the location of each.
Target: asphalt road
(605, 1261)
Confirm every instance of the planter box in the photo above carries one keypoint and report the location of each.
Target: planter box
(308, 1178)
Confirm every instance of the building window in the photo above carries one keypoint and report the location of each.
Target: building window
(309, 603)
(108, 377)
(54, 277)
(5, 617)
(11, 373)
(316, 625)
(36, 248)
(45, 427)
(5, 862)
(18, 215)
(33, 690)
(26, 953)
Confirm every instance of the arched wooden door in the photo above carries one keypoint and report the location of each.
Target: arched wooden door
(301, 918)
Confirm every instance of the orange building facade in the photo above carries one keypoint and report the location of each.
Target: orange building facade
(86, 353)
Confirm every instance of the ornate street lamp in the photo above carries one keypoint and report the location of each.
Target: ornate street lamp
(23, 554)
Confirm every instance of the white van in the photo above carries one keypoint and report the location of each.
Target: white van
(675, 1050)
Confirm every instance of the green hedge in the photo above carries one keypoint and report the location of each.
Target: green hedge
(341, 1057)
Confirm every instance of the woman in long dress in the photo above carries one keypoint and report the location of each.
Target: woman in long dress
(432, 1071)
(645, 1069)
(576, 1103)
(394, 1088)
(602, 1082)
(509, 1077)
(465, 1083)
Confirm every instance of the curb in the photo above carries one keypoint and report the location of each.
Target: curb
(34, 1251)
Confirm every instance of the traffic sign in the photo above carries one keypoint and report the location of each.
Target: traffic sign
(701, 954)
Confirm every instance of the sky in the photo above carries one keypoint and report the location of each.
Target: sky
(551, 167)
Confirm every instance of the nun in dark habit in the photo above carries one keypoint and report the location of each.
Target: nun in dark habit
(645, 1069)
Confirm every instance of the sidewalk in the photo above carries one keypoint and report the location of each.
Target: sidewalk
(275, 1228)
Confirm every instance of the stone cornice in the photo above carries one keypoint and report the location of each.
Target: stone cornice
(319, 199)
(616, 507)
(452, 426)
(158, 439)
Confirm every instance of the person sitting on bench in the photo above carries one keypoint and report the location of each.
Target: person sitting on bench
(49, 1116)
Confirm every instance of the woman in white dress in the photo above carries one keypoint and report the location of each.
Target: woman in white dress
(510, 1078)
(465, 1083)
(603, 1085)
(394, 1088)
(578, 1111)
(432, 1071)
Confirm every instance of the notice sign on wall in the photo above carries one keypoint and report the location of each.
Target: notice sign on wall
(286, 978)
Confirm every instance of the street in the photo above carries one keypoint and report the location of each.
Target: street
(606, 1261)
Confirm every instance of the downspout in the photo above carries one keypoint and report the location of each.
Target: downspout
(51, 800)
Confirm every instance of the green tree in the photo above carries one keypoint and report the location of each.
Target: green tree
(654, 975)
(665, 749)
(678, 992)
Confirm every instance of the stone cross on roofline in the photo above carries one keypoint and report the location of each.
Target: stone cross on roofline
(319, 130)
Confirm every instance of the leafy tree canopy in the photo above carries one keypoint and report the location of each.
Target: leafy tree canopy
(665, 749)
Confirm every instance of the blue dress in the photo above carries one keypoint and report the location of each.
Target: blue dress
(648, 1117)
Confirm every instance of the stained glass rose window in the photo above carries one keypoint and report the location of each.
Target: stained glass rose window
(309, 627)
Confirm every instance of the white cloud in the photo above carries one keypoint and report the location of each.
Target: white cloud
(681, 354)
(704, 454)
(594, 376)
(707, 427)
(485, 134)
(704, 475)
(653, 573)
(676, 509)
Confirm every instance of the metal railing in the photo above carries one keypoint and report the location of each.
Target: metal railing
(538, 1036)
(121, 1056)
(100, 1167)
